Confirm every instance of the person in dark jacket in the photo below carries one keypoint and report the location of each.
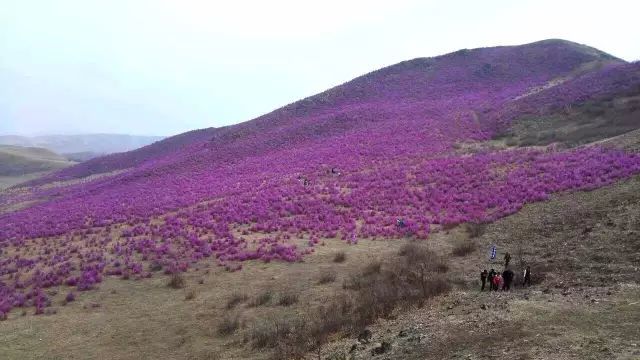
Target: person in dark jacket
(507, 276)
(527, 277)
(507, 259)
(483, 278)
(490, 276)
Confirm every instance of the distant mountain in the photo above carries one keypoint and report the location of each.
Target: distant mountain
(96, 144)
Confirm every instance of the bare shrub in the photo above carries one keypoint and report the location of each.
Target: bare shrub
(463, 248)
(339, 257)
(475, 229)
(190, 295)
(360, 280)
(420, 275)
(229, 324)
(288, 299)
(275, 332)
(176, 281)
(235, 299)
(262, 299)
(372, 268)
(326, 277)
(375, 292)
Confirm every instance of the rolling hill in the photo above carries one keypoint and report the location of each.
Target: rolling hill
(85, 146)
(465, 138)
(19, 163)
(17, 160)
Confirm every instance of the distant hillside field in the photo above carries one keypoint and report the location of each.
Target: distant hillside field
(17, 160)
(19, 164)
(90, 144)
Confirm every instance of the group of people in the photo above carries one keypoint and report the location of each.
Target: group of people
(505, 279)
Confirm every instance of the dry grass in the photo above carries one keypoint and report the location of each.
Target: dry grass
(288, 299)
(229, 324)
(326, 277)
(176, 281)
(146, 317)
(235, 299)
(262, 299)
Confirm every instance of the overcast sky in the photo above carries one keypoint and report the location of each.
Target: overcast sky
(158, 67)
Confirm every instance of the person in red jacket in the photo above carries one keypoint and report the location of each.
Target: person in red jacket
(497, 281)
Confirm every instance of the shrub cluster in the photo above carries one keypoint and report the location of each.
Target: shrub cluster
(375, 292)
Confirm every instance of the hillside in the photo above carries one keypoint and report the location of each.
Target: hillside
(23, 163)
(482, 78)
(97, 144)
(443, 144)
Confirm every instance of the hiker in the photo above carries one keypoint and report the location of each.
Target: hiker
(527, 276)
(490, 276)
(497, 281)
(507, 259)
(507, 276)
(483, 278)
(400, 223)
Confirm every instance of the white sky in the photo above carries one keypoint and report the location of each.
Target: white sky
(163, 67)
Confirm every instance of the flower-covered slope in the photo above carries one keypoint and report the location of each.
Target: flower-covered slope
(345, 163)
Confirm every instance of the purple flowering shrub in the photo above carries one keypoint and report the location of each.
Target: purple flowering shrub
(346, 163)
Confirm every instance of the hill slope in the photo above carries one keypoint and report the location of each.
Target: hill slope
(19, 164)
(346, 163)
(97, 144)
(17, 160)
(479, 79)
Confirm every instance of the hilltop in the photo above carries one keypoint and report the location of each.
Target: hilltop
(444, 146)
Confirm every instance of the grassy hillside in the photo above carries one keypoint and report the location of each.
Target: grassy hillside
(92, 143)
(336, 210)
(17, 160)
(19, 164)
